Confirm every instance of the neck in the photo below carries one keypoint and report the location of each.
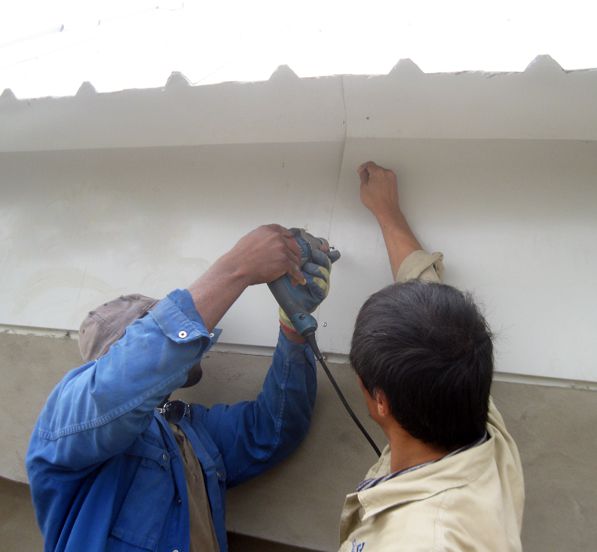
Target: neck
(407, 452)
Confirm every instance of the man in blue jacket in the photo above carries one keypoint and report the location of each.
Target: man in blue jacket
(116, 466)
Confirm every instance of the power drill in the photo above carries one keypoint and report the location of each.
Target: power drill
(288, 297)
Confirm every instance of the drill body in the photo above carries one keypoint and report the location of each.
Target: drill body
(288, 296)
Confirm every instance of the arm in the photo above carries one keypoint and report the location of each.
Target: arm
(259, 257)
(379, 193)
(98, 410)
(253, 436)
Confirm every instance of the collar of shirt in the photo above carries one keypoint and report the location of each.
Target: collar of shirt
(372, 482)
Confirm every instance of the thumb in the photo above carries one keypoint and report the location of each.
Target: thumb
(363, 174)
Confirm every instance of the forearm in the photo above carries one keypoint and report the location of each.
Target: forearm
(217, 289)
(379, 193)
(398, 236)
(255, 435)
(407, 258)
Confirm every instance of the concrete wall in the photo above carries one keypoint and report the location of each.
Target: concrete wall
(299, 502)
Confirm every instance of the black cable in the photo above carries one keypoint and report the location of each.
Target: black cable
(313, 344)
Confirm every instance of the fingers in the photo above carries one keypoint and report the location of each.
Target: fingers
(296, 276)
(278, 228)
(292, 252)
(294, 256)
(320, 258)
(268, 252)
(289, 241)
(334, 255)
(322, 287)
(325, 246)
(363, 175)
(366, 166)
(293, 248)
(379, 192)
(317, 271)
(367, 171)
(318, 279)
(316, 288)
(369, 168)
(282, 243)
(281, 230)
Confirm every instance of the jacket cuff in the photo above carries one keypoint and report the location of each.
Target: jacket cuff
(178, 318)
(294, 351)
(421, 265)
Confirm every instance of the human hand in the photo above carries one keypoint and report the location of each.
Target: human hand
(379, 193)
(317, 283)
(379, 190)
(265, 254)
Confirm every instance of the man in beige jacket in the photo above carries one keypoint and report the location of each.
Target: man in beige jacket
(450, 478)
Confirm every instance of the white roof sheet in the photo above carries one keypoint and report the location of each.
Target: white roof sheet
(50, 48)
(543, 102)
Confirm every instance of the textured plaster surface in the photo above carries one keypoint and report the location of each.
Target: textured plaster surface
(299, 502)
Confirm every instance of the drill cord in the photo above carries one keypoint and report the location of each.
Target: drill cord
(313, 344)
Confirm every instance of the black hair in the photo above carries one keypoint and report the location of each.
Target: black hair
(429, 349)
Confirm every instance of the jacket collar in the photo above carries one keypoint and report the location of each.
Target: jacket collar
(448, 473)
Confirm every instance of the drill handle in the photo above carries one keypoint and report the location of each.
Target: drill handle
(284, 292)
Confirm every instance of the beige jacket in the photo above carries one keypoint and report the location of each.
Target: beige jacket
(472, 501)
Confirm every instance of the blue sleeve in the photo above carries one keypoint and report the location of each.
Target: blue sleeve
(98, 409)
(255, 435)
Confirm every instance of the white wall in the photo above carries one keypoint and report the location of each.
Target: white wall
(142, 190)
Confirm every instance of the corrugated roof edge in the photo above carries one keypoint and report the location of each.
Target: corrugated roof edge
(404, 67)
(8, 96)
(545, 64)
(85, 90)
(403, 104)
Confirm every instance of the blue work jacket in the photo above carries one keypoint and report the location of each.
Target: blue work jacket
(105, 470)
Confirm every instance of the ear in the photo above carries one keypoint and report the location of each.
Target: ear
(382, 403)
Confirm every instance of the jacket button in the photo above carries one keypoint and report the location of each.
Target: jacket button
(164, 457)
(182, 334)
